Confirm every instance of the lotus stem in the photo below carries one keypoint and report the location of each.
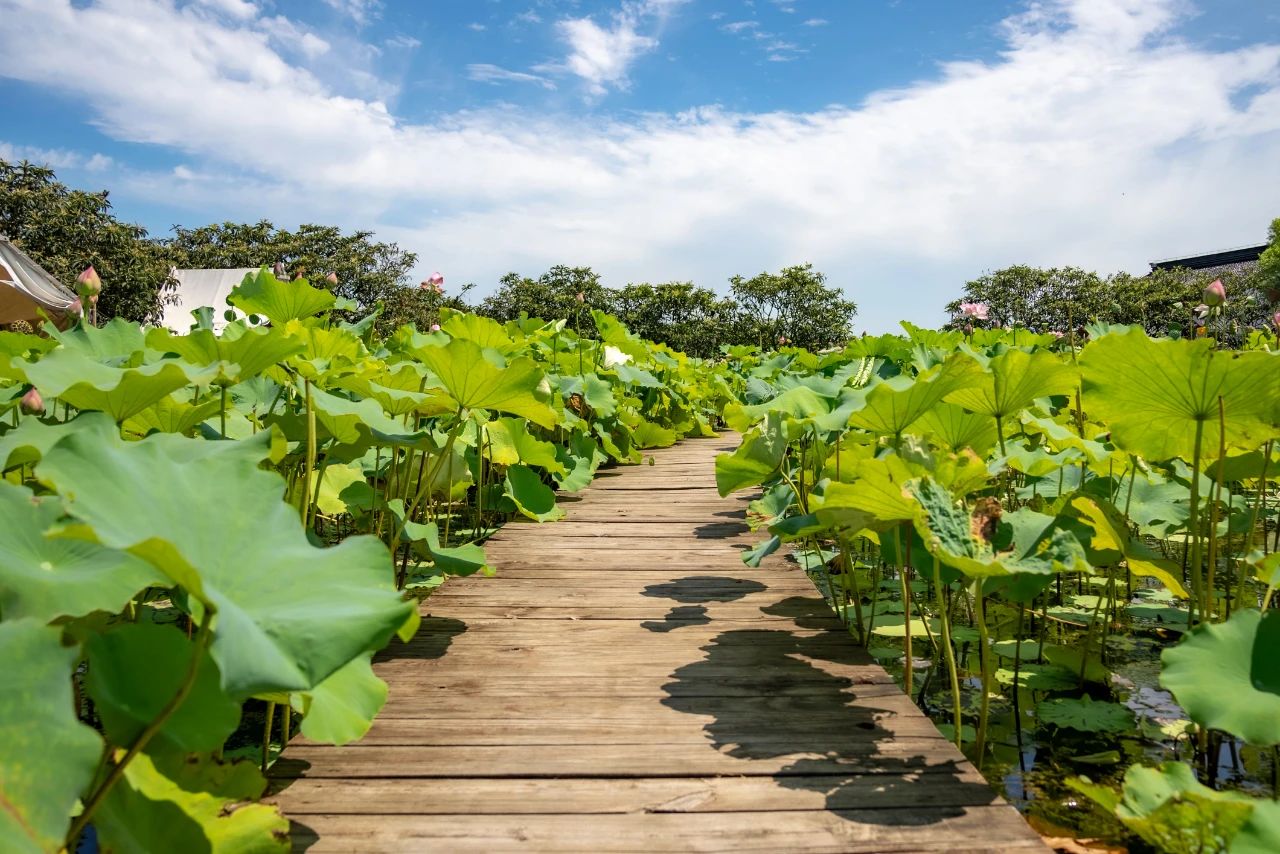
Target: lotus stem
(852, 577)
(222, 411)
(984, 704)
(950, 655)
(202, 639)
(1213, 506)
(906, 611)
(1193, 526)
(311, 452)
(266, 735)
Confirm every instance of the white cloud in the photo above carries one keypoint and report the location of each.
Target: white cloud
(476, 26)
(292, 38)
(816, 22)
(404, 42)
(736, 27)
(243, 10)
(51, 158)
(359, 11)
(1094, 138)
(602, 55)
(486, 73)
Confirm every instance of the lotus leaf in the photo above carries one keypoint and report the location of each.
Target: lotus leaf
(1227, 675)
(471, 381)
(288, 613)
(37, 720)
(262, 293)
(531, 496)
(1085, 715)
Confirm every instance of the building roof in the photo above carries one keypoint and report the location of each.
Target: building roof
(27, 290)
(1227, 259)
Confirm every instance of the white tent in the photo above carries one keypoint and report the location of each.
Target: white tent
(26, 290)
(198, 288)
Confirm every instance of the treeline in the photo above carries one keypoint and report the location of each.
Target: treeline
(1164, 301)
(66, 230)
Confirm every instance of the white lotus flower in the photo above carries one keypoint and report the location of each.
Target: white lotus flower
(614, 357)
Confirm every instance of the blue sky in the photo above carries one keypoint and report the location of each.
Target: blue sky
(902, 146)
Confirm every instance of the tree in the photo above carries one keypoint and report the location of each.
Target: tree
(551, 296)
(65, 231)
(794, 304)
(1038, 299)
(681, 315)
(1268, 275)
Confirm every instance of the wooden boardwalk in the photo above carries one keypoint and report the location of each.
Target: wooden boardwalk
(625, 683)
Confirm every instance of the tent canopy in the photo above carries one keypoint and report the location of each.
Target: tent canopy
(198, 288)
(26, 289)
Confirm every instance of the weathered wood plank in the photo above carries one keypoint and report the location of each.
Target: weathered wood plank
(626, 683)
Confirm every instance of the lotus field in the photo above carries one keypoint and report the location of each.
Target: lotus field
(1069, 552)
(206, 537)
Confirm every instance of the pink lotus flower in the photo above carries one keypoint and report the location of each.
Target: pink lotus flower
(88, 283)
(1056, 333)
(1215, 294)
(76, 307)
(434, 282)
(278, 271)
(32, 401)
(435, 327)
(1275, 318)
(332, 278)
(979, 310)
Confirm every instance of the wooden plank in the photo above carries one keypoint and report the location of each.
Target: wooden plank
(626, 683)
(921, 829)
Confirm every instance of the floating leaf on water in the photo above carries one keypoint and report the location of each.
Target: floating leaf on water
(1085, 715)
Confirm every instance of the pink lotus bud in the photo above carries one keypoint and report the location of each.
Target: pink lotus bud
(297, 276)
(32, 401)
(76, 307)
(332, 278)
(1056, 333)
(1275, 318)
(1215, 294)
(581, 298)
(979, 310)
(435, 327)
(436, 281)
(278, 270)
(88, 283)
(93, 299)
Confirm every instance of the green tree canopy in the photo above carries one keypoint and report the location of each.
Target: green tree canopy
(795, 304)
(66, 230)
(1041, 300)
(551, 296)
(681, 315)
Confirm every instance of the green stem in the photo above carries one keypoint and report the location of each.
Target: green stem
(266, 736)
(949, 653)
(1193, 525)
(906, 611)
(311, 452)
(202, 639)
(984, 654)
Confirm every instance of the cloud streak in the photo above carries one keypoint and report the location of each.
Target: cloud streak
(1095, 138)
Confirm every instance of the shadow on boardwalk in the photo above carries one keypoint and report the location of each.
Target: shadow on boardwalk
(805, 711)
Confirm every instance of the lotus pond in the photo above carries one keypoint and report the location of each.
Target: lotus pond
(207, 536)
(1066, 552)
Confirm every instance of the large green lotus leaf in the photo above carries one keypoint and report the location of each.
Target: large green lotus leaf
(1059, 437)
(1085, 714)
(341, 708)
(1227, 676)
(169, 414)
(20, 344)
(1013, 380)
(1111, 535)
(172, 802)
(1260, 834)
(878, 490)
(47, 578)
(1174, 812)
(800, 403)
(532, 497)
(115, 342)
(288, 613)
(486, 332)
(597, 392)
(47, 757)
(120, 392)
(1038, 462)
(325, 351)
(396, 392)
(32, 438)
(1038, 677)
(958, 429)
(135, 670)
(895, 404)
(650, 435)
(580, 460)
(1153, 393)
(335, 480)
(452, 560)
(1024, 541)
(349, 421)
(473, 382)
(262, 293)
(755, 460)
(238, 359)
(508, 442)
